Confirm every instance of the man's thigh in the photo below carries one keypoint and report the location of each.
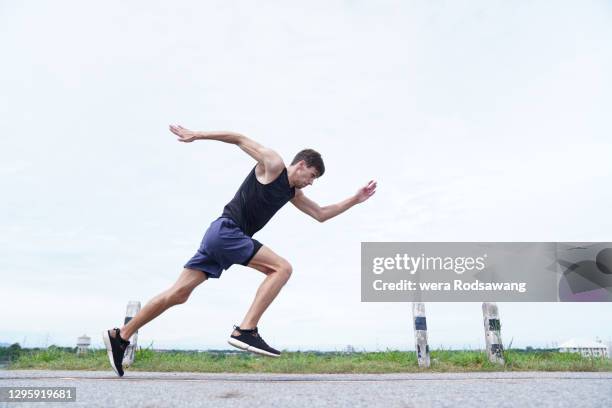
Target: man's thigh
(268, 261)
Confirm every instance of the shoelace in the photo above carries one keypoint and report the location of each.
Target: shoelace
(254, 332)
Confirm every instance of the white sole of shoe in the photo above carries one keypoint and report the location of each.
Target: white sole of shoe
(243, 346)
(109, 350)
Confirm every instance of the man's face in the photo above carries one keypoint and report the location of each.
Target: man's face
(305, 175)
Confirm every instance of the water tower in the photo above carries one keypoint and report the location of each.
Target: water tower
(83, 343)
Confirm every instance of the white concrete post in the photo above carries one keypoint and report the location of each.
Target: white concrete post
(492, 327)
(133, 307)
(420, 333)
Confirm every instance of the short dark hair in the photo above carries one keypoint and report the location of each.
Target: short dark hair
(312, 159)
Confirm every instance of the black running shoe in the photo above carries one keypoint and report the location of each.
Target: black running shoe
(115, 348)
(250, 340)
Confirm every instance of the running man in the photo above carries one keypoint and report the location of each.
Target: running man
(228, 240)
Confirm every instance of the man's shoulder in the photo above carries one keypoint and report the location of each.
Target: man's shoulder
(273, 163)
(266, 173)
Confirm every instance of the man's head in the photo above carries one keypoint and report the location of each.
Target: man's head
(307, 165)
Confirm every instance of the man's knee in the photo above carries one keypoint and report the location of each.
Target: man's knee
(179, 293)
(285, 269)
(179, 296)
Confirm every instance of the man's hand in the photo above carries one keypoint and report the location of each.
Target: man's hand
(184, 135)
(366, 192)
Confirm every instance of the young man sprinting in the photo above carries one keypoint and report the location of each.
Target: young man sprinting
(229, 239)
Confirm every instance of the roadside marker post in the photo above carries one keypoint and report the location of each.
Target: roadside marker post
(420, 334)
(133, 307)
(492, 327)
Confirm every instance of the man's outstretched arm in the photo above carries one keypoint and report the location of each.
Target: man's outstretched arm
(267, 157)
(322, 214)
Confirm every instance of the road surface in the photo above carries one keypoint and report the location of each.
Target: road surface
(146, 389)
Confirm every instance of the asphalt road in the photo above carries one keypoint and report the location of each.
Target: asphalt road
(138, 389)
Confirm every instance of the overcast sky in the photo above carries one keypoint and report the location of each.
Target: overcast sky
(481, 121)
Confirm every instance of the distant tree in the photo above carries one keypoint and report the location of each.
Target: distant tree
(11, 352)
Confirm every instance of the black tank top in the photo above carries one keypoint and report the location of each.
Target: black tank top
(254, 203)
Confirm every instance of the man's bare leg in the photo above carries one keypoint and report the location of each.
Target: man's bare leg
(278, 271)
(176, 294)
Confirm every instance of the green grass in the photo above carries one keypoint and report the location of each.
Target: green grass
(390, 361)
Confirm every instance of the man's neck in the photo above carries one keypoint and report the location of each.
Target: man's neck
(290, 174)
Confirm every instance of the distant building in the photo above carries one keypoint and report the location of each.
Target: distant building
(587, 348)
(83, 343)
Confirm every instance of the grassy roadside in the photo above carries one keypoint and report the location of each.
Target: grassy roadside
(54, 358)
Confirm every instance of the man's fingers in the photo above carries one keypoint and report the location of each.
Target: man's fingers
(368, 190)
(178, 132)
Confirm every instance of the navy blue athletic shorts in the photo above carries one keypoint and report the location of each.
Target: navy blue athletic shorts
(223, 245)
